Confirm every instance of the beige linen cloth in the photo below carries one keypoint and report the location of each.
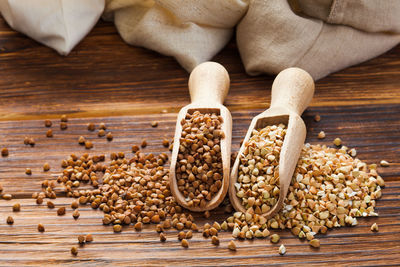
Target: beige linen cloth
(321, 36)
(60, 24)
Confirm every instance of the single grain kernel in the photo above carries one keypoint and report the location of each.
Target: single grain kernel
(101, 133)
(163, 238)
(184, 243)
(7, 196)
(337, 142)
(81, 140)
(49, 133)
(4, 152)
(46, 167)
(74, 204)
(165, 142)
(315, 243)
(215, 240)
(275, 238)
(63, 125)
(61, 211)
(117, 228)
(189, 234)
(181, 235)
(232, 245)
(317, 118)
(138, 226)
(26, 140)
(384, 163)
(47, 123)
(88, 145)
(81, 239)
(135, 148)
(50, 205)
(75, 214)
(31, 141)
(102, 126)
(154, 124)
(109, 136)
(39, 200)
(144, 143)
(10, 220)
(40, 227)
(74, 251)
(282, 249)
(16, 207)
(321, 135)
(91, 127)
(64, 118)
(89, 238)
(206, 214)
(374, 228)
(28, 171)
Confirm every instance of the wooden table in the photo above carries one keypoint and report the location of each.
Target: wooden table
(105, 80)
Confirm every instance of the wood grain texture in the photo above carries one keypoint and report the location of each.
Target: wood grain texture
(104, 80)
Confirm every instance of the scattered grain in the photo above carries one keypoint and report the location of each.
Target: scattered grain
(74, 251)
(154, 124)
(75, 214)
(215, 240)
(28, 171)
(89, 238)
(64, 118)
(16, 207)
(40, 228)
(275, 238)
(321, 135)
(61, 211)
(317, 118)
(88, 145)
(49, 133)
(81, 239)
(4, 152)
(91, 127)
(282, 250)
(47, 123)
(117, 228)
(46, 167)
(10, 220)
(144, 143)
(50, 205)
(102, 126)
(184, 243)
(315, 243)
(384, 163)
(163, 238)
(165, 142)
(63, 125)
(337, 141)
(232, 245)
(109, 136)
(101, 133)
(7, 196)
(81, 140)
(374, 227)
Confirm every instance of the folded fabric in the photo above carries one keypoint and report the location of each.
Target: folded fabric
(320, 36)
(59, 24)
(190, 31)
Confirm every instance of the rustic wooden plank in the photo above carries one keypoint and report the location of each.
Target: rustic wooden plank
(103, 67)
(105, 80)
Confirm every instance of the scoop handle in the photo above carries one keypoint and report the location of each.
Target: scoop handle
(292, 89)
(209, 83)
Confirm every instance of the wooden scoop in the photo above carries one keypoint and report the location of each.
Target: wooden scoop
(208, 86)
(292, 91)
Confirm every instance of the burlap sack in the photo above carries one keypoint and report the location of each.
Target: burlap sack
(320, 36)
(191, 31)
(59, 24)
